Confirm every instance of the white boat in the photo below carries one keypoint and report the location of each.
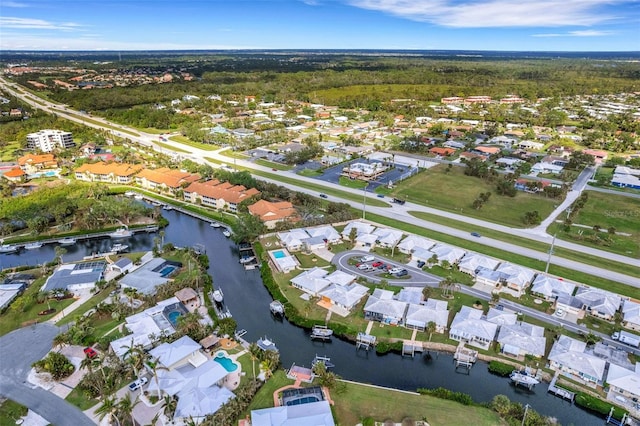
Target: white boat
(321, 332)
(68, 241)
(118, 248)
(138, 197)
(247, 259)
(276, 307)
(218, 296)
(266, 345)
(33, 246)
(226, 233)
(129, 194)
(522, 377)
(121, 233)
(324, 360)
(215, 224)
(8, 248)
(167, 207)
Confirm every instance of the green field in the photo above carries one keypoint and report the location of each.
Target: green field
(87, 119)
(352, 183)
(171, 147)
(534, 245)
(605, 211)
(7, 151)
(186, 141)
(273, 165)
(453, 191)
(11, 411)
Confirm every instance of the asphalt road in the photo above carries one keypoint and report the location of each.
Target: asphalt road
(18, 350)
(415, 278)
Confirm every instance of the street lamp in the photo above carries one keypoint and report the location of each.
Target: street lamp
(526, 408)
(546, 269)
(364, 200)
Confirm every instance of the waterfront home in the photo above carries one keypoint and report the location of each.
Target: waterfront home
(386, 237)
(75, 277)
(8, 292)
(631, 315)
(447, 253)
(520, 339)
(516, 277)
(569, 357)
(272, 213)
(200, 385)
(599, 303)
(312, 413)
(119, 173)
(624, 384)
(152, 273)
(218, 195)
(311, 281)
(32, 163)
(293, 240)
(122, 265)
(470, 327)
(326, 232)
(501, 317)
(165, 179)
(419, 315)
(472, 261)
(344, 297)
(189, 298)
(550, 288)
(382, 307)
(360, 227)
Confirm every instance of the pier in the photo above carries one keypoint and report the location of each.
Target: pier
(321, 332)
(465, 357)
(557, 391)
(365, 341)
(410, 347)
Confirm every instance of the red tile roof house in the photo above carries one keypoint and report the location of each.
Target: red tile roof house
(487, 150)
(442, 152)
(31, 163)
(165, 179)
(15, 175)
(122, 173)
(271, 213)
(218, 195)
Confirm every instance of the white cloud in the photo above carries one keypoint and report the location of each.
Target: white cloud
(13, 4)
(496, 13)
(37, 24)
(582, 33)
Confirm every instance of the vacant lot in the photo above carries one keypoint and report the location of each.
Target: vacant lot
(452, 190)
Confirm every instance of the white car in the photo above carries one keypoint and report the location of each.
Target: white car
(367, 258)
(560, 313)
(365, 267)
(394, 270)
(137, 384)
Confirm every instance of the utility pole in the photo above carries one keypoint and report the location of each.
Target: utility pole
(546, 269)
(526, 408)
(364, 200)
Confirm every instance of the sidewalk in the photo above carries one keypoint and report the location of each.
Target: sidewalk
(72, 307)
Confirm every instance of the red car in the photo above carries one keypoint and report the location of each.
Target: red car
(90, 352)
(377, 264)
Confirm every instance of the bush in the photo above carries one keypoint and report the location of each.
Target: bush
(450, 395)
(500, 368)
(594, 404)
(55, 364)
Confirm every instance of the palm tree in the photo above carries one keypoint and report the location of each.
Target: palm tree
(59, 252)
(155, 366)
(431, 328)
(125, 406)
(107, 408)
(254, 353)
(169, 405)
(135, 356)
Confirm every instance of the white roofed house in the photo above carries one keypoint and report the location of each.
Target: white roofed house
(432, 310)
(550, 287)
(382, 307)
(176, 354)
(599, 303)
(625, 383)
(360, 227)
(469, 326)
(367, 240)
(422, 254)
(311, 281)
(340, 278)
(488, 277)
(413, 242)
(631, 315)
(387, 238)
(293, 240)
(501, 317)
(568, 356)
(344, 296)
(326, 232)
(516, 277)
(446, 253)
(522, 339)
(472, 261)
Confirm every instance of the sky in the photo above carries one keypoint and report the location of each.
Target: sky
(507, 25)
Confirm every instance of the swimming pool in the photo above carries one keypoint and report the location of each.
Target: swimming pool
(167, 270)
(173, 317)
(173, 312)
(303, 400)
(278, 254)
(228, 364)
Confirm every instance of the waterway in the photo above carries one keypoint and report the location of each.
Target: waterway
(248, 300)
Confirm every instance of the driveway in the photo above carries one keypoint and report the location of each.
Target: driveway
(417, 277)
(18, 350)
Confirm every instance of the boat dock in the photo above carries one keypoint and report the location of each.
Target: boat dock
(410, 347)
(321, 332)
(365, 341)
(247, 256)
(465, 357)
(324, 360)
(557, 391)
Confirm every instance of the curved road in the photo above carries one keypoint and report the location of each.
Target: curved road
(18, 350)
(399, 212)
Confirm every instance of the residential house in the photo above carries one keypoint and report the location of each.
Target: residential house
(412, 242)
(218, 195)
(447, 253)
(599, 303)
(189, 298)
(293, 240)
(598, 154)
(516, 277)
(165, 179)
(360, 227)
(312, 413)
(326, 232)
(568, 356)
(15, 175)
(550, 288)
(382, 307)
(386, 237)
(343, 296)
(469, 326)
(570, 305)
(501, 317)
(472, 261)
(419, 315)
(623, 382)
(272, 213)
(120, 173)
(148, 276)
(530, 145)
(626, 177)
(442, 151)
(122, 265)
(546, 168)
(32, 163)
(311, 281)
(486, 151)
(631, 314)
(521, 339)
(75, 277)
(488, 277)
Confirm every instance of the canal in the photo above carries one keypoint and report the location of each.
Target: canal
(248, 300)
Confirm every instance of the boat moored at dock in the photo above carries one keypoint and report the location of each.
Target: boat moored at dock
(123, 232)
(68, 241)
(8, 248)
(277, 308)
(524, 378)
(266, 345)
(33, 246)
(321, 332)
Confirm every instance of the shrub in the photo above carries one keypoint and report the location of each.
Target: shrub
(594, 404)
(500, 368)
(443, 393)
(55, 364)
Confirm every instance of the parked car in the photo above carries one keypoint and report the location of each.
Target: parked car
(394, 271)
(137, 384)
(559, 312)
(90, 352)
(420, 264)
(380, 195)
(274, 169)
(377, 264)
(365, 267)
(402, 273)
(367, 258)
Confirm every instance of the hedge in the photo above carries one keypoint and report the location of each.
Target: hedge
(594, 404)
(500, 368)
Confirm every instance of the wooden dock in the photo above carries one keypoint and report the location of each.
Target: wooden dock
(410, 347)
(365, 341)
(557, 391)
(464, 357)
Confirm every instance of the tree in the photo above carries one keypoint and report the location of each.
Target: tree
(59, 252)
(155, 366)
(107, 408)
(254, 354)
(124, 408)
(135, 356)
(431, 328)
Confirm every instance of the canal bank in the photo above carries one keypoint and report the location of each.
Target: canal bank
(248, 300)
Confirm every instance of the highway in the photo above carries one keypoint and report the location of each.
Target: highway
(400, 213)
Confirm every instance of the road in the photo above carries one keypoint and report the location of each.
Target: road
(399, 212)
(612, 191)
(18, 350)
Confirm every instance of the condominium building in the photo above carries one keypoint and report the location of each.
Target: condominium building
(48, 140)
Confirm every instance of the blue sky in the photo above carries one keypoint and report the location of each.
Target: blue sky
(547, 25)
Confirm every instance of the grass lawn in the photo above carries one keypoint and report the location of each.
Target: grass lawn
(11, 411)
(453, 191)
(7, 151)
(310, 173)
(85, 307)
(352, 183)
(534, 245)
(605, 211)
(80, 400)
(264, 397)
(361, 401)
(186, 141)
(272, 164)
(309, 261)
(233, 154)
(171, 147)
(538, 265)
